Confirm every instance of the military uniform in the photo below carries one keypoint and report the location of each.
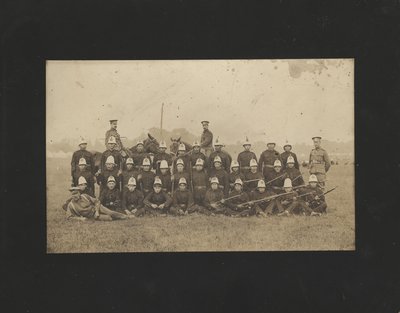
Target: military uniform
(166, 182)
(133, 200)
(251, 185)
(244, 158)
(178, 176)
(266, 163)
(200, 184)
(206, 142)
(231, 205)
(158, 158)
(292, 204)
(319, 164)
(113, 132)
(193, 156)
(284, 157)
(317, 205)
(146, 181)
(186, 162)
(111, 199)
(182, 200)
(114, 153)
(87, 175)
(212, 197)
(223, 178)
(138, 158)
(158, 199)
(295, 176)
(104, 175)
(226, 160)
(77, 155)
(126, 174)
(262, 206)
(233, 176)
(276, 185)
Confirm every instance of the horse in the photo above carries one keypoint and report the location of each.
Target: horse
(175, 145)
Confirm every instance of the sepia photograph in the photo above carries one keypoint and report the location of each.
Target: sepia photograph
(200, 155)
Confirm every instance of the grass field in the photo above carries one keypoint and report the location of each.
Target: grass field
(333, 231)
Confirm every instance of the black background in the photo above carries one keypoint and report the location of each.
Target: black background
(366, 280)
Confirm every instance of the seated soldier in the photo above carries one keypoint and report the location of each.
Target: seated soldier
(110, 197)
(293, 173)
(219, 172)
(146, 177)
(132, 199)
(109, 170)
(182, 200)
(165, 176)
(213, 198)
(275, 178)
(290, 203)
(235, 174)
(82, 170)
(262, 208)
(157, 201)
(234, 203)
(252, 177)
(314, 196)
(83, 207)
(83, 186)
(180, 172)
(128, 172)
(200, 183)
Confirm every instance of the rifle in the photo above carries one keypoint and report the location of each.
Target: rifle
(250, 180)
(173, 181)
(265, 199)
(191, 175)
(309, 193)
(275, 179)
(229, 198)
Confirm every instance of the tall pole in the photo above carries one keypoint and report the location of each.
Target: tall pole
(162, 113)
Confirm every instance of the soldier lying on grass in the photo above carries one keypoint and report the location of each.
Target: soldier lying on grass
(83, 207)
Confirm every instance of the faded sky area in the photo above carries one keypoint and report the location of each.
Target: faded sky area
(279, 100)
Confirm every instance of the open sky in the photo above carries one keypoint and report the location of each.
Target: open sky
(279, 100)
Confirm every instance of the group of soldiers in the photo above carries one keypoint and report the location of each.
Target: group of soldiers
(203, 179)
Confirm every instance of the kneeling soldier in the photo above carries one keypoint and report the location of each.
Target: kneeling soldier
(83, 207)
(157, 201)
(291, 203)
(262, 208)
(315, 198)
(235, 174)
(253, 176)
(111, 196)
(83, 186)
(293, 173)
(165, 176)
(235, 199)
(213, 198)
(132, 199)
(182, 200)
(200, 182)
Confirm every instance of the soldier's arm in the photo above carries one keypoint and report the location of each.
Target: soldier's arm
(327, 161)
(146, 200)
(140, 199)
(309, 162)
(207, 140)
(260, 163)
(73, 164)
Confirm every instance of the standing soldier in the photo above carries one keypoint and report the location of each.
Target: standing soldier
(226, 159)
(267, 159)
(206, 140)
(82, 171)
(111, 151)
(113, 132)
(139, 154)
(235, 174)
(128, 172)
(219, 172)
(319, 163)
(165, 177)
(245, 156)
(110, 169)
(160, 156)
(253, 176)
(196, 154)
(182, 155)
(288, 152)
(293, 173)
(200, 183)
(82, 153)
(146, 177)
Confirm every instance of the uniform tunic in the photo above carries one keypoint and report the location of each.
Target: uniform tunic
(319, 164)
(200, 184)
(182, 199)
(87, 175)
(317, 205)
(117, 158)
(132, 199)
(251, 185)
(267, 159)
(103, 177)
(212, 197)
(77, 155)
(223, 178)
(193, 156)
(166, 181)
(138, 158)
(233, 176)
(85, 206)
(160, 156)
(277, 184)
(114, 132)
(226, 160)
(284, 157)
(294, 173)
(127, 174)
(111, 199)
(244, 158)
(158, 199)
(146, 181)
(186, 162)
(262, 205)
(178, 176)
(206, 141)
(232, 204)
